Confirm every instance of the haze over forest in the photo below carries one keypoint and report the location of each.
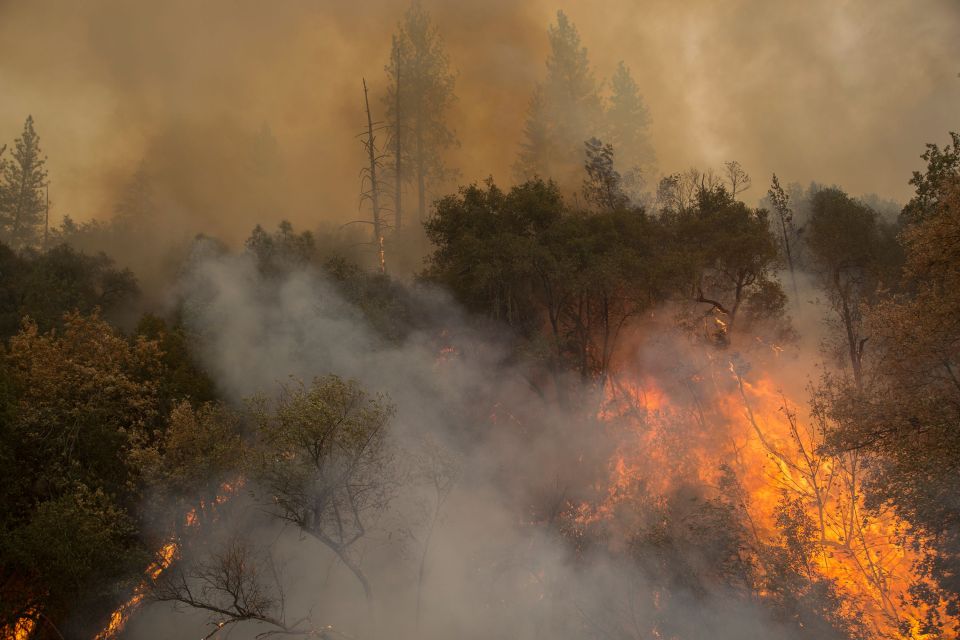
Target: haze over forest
(838, 92)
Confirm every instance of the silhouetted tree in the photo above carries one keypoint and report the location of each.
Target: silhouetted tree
(734, 254)
(942, 167)
(627, 122)
(566, 110)
(737, 179)
(22, 201)
(853, 253)
(418, 98)
(603, 185)
(905, 412)
(781, 204)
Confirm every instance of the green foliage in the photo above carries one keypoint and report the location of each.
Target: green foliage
(22, 183)
(846, 236)
(45, 286)
(854, 254)
(190, 460)
(570, 280)
(76, 401)
(81, 395)
(75, 545)
(943, 165)
(385, 303)
(320, 456)
(603, 186)
(728, 256)
(182, 376)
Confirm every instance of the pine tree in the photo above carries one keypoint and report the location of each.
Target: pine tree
(22, 200)
(565, 112)
(627, 121)
(419, 94)
(535, 148)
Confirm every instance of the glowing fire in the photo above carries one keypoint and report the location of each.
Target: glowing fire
(118, 619)
(165, 557)
(22, 630)
(744, 423)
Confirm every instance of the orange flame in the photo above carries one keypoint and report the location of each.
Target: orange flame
(753, 429)
(21, 630)
(165, 557)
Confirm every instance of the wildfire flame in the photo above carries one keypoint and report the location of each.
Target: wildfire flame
(753, 428)
(165, 557)
(21, 630)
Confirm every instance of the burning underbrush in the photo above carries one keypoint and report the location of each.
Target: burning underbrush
(720, 477)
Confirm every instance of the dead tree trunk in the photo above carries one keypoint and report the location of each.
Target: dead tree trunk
(397, 159)
(374, 183)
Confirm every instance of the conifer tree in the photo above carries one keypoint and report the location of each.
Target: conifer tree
(22, 200)
(419, 94)
(627, 121)
(565, 112)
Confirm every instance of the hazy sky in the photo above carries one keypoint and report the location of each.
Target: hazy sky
(828, 90)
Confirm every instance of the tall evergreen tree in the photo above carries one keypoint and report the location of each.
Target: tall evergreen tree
(419, 95)
(22, 200)
(565, 112)
(627, 121)
(135, 206)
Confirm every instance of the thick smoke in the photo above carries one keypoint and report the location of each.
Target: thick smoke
(836, 92)
(494, 569)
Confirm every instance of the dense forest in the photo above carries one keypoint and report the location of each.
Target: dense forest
(597, 400)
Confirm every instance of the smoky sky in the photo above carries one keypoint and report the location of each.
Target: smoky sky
(844, 92)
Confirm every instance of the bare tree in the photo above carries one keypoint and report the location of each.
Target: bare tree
(230, 586)
(370, 176)
(867, 543)
(439, 469)
(678, 191)
(603, 185)
(738, 179)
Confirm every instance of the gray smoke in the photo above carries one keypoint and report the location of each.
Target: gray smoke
(495, 571)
